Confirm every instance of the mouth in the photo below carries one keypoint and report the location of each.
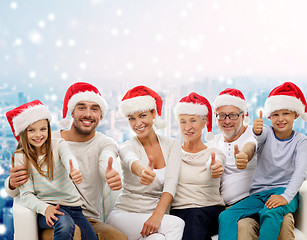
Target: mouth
(140, 129)
(189, 133)
(38, 141)
(281, 125)
(87, 122)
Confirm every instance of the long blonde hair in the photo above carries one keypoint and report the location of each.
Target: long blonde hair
(32, 157)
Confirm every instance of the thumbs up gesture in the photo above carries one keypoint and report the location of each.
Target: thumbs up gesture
(241, 158)
(148, 175)
(113, 178)
(216, 167)
(75, 174)
(258, 124)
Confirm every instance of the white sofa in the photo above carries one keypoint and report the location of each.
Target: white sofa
(26, 227)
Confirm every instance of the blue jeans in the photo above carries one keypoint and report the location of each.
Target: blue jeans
(200, 223)
(270, 219)
(64, 227)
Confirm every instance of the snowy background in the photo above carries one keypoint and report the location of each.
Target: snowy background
(173, 46)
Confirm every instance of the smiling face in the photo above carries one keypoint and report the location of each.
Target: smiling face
(141, 122)
(191, 127)
(231, 129)
(87, 116)
(37, 134)
(282, 122)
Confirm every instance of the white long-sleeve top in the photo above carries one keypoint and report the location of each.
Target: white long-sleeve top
(236, 183)
(139, 198)
(39, 192)
(196, 187)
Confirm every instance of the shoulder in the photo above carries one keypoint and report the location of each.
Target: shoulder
(103, 140)
(167, 140)
(129, 144)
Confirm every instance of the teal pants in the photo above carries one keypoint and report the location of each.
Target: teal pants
(270, 219)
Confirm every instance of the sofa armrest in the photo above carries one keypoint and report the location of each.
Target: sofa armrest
(301, 214)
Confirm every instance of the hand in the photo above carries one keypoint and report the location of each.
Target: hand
(241, 158)
(258, 124)
(50, 214)
(18, 176)
(113, 178)
(75, 174)
(216, 167)
(148, 175)
(276, 201)
(152, 225)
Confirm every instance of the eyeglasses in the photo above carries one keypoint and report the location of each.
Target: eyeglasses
(231, 116)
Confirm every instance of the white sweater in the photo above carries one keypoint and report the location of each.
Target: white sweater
(139, 198)
(196, 187)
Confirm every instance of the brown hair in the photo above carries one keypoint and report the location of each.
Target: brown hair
(31, 155)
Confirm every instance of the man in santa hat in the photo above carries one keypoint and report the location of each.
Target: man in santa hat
(239, 145)
(94, 151)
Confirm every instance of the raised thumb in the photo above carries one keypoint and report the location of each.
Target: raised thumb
(151, 162)
(212, 158)
(260, 114)
(110, 163)
(236, 149)
(71, 165)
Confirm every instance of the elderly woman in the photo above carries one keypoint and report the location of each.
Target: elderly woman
(151, 165)
(198, 200)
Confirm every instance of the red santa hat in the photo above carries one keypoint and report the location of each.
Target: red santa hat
(82, 91)
(233, 97)
(195, 104)
(21, 117)
(140, 99)
(286, 96)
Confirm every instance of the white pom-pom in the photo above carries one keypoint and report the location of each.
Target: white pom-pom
(209, 136)
(159, 123)
(65, 123)
(246, 120)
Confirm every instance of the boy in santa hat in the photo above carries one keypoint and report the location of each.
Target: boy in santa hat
(94, 152)
(281, 167)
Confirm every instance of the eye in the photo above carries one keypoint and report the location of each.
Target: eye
(130, 118)
(233, 115)
(30, 130)
(44, 129)
(143, 115)
(182, 122)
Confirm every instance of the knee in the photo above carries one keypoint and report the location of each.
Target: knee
(223, 216)
(178, 222)
(248, 227)
(64, 224)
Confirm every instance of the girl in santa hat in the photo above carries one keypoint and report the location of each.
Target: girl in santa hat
(50, 165)
(151, 165)
(198, 200)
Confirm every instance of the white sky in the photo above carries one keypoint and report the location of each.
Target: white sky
(145, 40)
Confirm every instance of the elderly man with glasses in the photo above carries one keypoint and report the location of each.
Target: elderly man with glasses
(239, 145)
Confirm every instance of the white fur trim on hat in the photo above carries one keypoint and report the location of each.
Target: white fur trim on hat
(190, 109)
(159, 122)
(137, 104)
(279, 102)
(29, 116)
(90, 97)
(225, 100)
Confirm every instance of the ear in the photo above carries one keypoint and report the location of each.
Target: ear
(296, 116)
(154, 112)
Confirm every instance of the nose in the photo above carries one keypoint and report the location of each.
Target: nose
(87, 112)
(188, 126)
(138, 121)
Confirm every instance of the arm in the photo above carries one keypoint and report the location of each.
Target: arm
(154, 221)
(27, 192)
(130, 159)
(18, 176)
(249, 149)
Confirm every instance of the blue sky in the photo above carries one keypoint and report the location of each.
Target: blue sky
(122, 43)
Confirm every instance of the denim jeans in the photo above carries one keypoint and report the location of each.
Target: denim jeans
(65, 225)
